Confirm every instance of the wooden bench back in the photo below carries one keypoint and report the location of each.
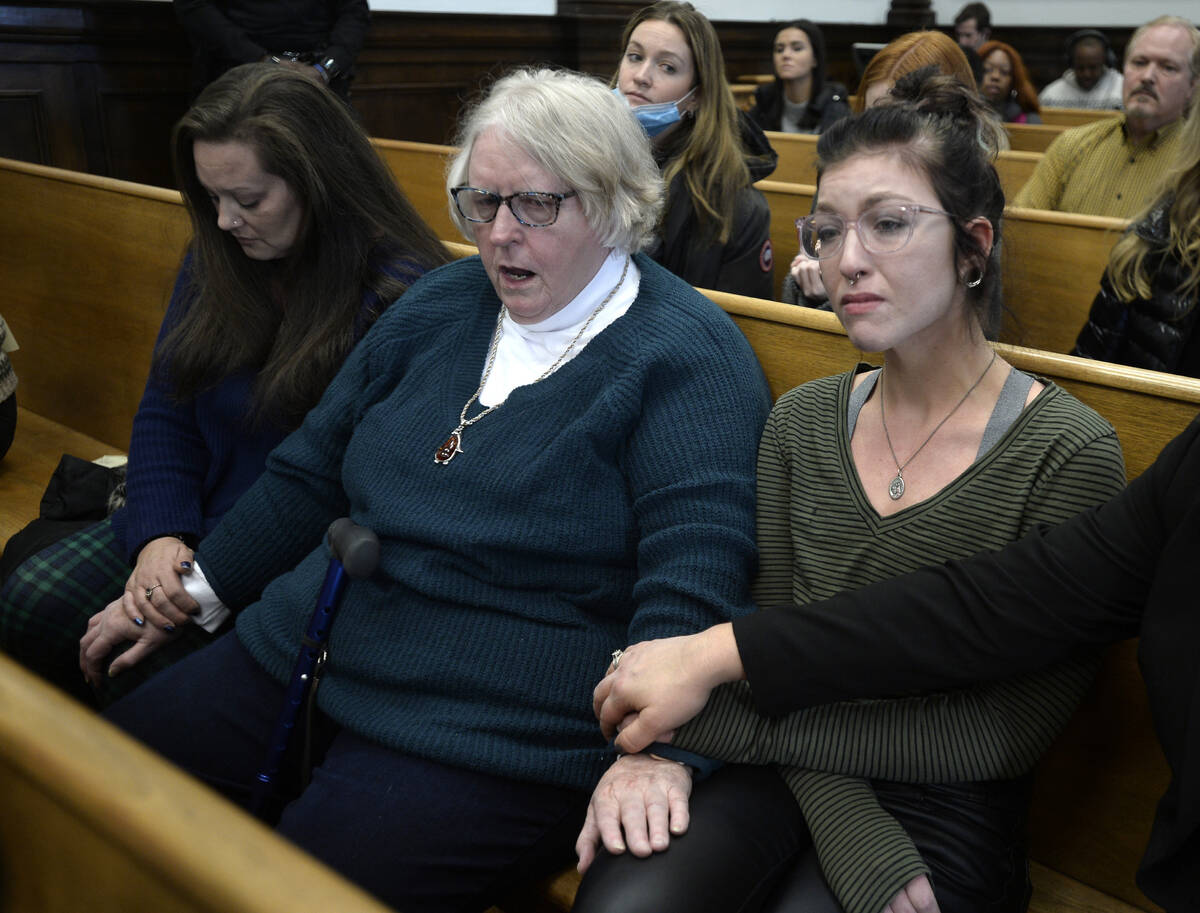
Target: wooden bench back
(92, 820)
(87, 265)
(798, 162)
(1032, 137)
(1074, 117)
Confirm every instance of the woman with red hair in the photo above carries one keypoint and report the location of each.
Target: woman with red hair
(1006, 84)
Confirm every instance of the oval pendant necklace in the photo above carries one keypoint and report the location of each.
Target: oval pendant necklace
(452, 446)
(896, 486)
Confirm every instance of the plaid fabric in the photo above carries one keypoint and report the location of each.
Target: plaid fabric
(46, 604)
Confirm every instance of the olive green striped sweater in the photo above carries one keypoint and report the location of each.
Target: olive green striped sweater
(819, 535)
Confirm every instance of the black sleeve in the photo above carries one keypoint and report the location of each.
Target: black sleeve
(349, 31)
(1061, 589)
(209, 28)
(747, 260)
(1107, 322)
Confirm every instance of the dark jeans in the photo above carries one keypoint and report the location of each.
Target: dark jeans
(747, 849)
(423, 837)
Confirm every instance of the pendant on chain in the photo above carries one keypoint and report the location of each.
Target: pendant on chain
(451, 446)
(896, 489)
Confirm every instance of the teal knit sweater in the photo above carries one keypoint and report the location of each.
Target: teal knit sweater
(609, 503)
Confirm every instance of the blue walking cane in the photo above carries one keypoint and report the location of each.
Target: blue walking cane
(355, 555)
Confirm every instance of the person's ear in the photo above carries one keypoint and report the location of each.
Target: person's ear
(982, 233)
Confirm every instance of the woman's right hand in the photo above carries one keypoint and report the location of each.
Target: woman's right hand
(161, 564)
(639, 803)
(807, 273)
(914, 897)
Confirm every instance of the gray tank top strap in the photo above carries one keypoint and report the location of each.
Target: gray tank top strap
(858, 396)
(1008, 409)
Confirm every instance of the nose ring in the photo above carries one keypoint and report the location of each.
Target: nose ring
(855, 279)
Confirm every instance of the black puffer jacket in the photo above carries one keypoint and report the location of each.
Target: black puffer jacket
(1155, 332)
(830, 105)
(744, 264)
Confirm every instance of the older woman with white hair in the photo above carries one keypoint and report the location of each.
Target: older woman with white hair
(554, 442)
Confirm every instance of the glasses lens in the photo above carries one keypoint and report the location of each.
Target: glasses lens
(886, 228)
(476, 205)
(821, 235)
(535, 209)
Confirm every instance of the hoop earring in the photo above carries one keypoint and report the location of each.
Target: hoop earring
(973, 283)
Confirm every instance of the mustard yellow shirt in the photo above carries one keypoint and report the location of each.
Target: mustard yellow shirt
(1096, 169)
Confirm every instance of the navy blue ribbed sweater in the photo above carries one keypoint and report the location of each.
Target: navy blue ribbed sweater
(610, 503)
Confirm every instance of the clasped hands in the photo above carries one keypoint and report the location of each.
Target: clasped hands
(147, 615)
(642, 801)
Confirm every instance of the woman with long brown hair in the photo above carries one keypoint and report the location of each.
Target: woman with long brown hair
(715, 229)
(301, 239)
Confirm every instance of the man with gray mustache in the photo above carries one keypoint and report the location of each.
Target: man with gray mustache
(1112, 167)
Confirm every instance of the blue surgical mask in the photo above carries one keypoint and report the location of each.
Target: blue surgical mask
(657, 117)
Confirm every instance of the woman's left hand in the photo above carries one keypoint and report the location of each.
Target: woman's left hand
(641, 797)
(109, 629)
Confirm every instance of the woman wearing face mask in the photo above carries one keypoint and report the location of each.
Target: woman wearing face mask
(715, 229)
(943, 451)
(1006, 84)
(294, 254)
(799, 100)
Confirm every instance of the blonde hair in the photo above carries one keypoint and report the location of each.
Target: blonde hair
(707, 153)
(1128, 267)
(915, 51)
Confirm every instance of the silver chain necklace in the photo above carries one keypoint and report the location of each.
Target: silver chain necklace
(896, 487)
(453, 444)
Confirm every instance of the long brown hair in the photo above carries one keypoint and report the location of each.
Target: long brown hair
(290, 321)
(707, 152)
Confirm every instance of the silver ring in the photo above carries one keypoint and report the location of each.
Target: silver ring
(616, 658)
(150, 591)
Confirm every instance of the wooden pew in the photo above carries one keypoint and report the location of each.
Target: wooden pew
(1096, 788)
(1074, 117)
(798, 162)
(78, 305)
(1052, 263)
(1032, 137)
(94, 821)
(743, 95)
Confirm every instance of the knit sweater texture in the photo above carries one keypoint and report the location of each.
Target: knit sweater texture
(818, 535)
(189, 461)
(610, 503)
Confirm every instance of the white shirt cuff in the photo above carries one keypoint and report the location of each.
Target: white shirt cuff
(212, 612)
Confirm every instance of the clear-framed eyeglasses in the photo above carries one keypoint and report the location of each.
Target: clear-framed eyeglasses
(537, 209)
(882, 229)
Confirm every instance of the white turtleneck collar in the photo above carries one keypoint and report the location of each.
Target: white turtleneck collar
(526, 350)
